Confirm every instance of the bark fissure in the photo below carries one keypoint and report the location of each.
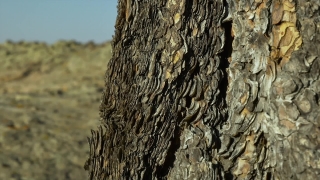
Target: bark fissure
(211, 90)
(224, 65)
(163, 170)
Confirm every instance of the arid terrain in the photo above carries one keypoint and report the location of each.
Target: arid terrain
(49, 102)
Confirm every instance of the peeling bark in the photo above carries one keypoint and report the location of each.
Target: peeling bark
(273, 90)
(211, 89)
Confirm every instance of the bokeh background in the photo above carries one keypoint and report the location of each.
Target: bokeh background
(53, 59)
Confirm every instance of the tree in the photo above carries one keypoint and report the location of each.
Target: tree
(211, 89)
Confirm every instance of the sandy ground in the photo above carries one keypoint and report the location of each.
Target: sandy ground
(49, 99)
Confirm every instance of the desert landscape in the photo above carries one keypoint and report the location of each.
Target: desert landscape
(49, 102)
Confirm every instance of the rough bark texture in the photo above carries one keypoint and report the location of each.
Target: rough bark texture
(174, 108)
(274, 87)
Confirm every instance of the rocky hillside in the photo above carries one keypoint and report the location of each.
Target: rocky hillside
(49, 102)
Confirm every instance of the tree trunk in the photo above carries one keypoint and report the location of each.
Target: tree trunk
(211, 89)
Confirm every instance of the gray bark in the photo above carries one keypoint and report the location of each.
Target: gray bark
(211, 89)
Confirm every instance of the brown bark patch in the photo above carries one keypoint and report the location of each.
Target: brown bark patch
(288, 124)
(285, 35)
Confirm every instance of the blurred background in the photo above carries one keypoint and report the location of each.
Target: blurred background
(52, 20)
(53, 56)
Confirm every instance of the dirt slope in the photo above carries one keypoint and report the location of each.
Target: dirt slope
(49, 98)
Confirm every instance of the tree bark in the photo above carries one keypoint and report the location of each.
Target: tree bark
(211, 89)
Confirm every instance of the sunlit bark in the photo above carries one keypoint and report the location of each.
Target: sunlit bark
(211, 89)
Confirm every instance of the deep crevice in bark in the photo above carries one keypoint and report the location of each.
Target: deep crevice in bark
(226, 54)
(317, 99)
(224, 64)
(225, 59)
(229, 175)
(269, 176)
(163, 171)
(148, 172)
